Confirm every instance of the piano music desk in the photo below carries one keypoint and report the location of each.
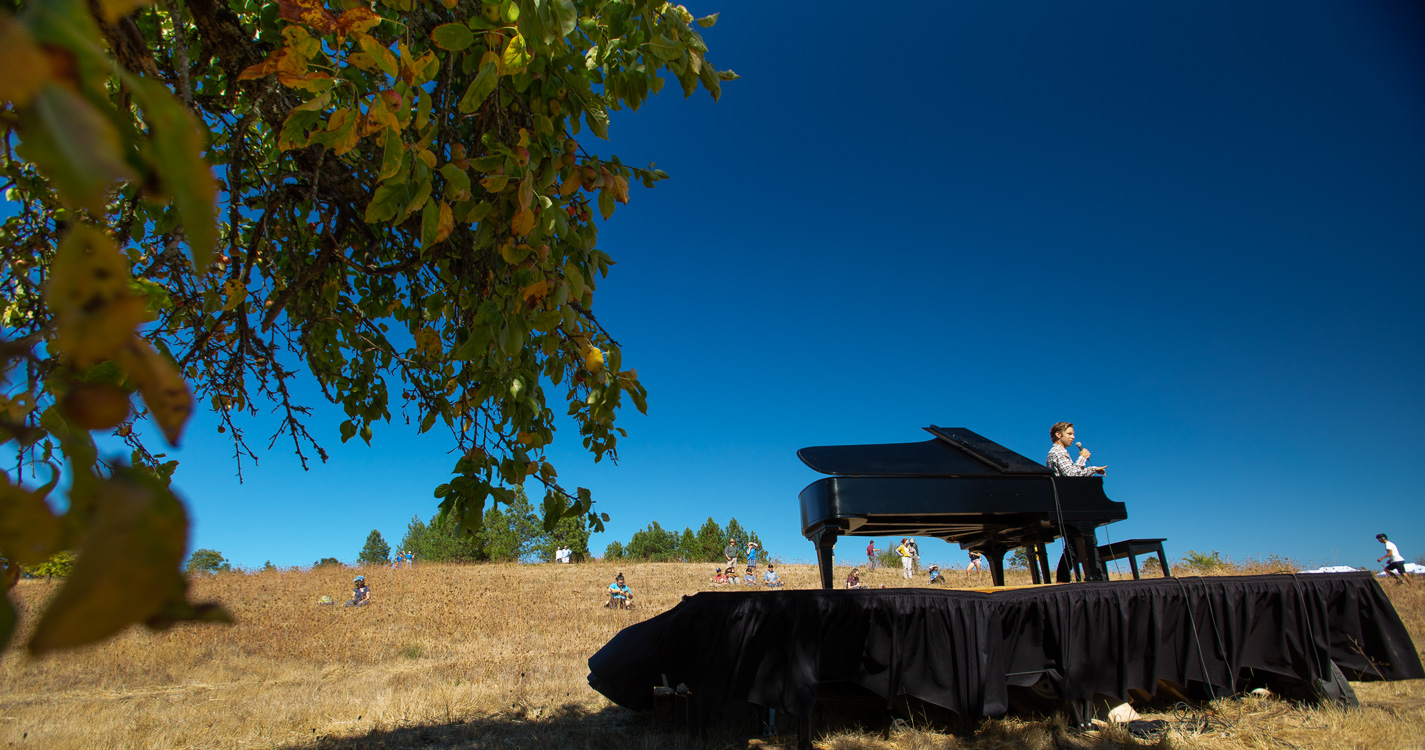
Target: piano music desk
(1131, 549)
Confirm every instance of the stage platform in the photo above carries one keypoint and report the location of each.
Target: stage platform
(971, 653)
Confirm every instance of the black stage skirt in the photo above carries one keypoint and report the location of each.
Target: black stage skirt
(964, 651)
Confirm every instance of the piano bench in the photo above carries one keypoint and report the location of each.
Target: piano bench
(1131, 549)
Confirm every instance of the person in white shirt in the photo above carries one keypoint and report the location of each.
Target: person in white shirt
(1062, 434)
(1396, 562)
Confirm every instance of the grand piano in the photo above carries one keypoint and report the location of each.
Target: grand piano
(961, 487)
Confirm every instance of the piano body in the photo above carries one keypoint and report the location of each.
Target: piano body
(960, 487)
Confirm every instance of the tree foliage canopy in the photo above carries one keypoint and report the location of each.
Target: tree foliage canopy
(210, 199)
(208, 561)
(376, 550)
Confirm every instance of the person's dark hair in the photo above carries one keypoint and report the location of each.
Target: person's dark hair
(1057, 430)
(1382, 537)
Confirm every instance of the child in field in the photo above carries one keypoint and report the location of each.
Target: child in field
(361, 594)
(620, 595)
(718, 578)
(853, 581)
(1396, 564)
(751, 557)
(935, 576)
(749, 578)
(770, 578)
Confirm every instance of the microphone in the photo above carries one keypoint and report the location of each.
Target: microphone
(1079, 445)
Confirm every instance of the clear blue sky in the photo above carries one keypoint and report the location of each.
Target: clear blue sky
(1192, 228)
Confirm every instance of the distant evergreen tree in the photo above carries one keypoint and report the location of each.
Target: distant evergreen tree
(572, 531)
(326, 561)
(710, 542)
(654, 543)
(376, 551)
(268, 566)
(207, 561)
(514, 533)
(733, 530)
(687, 550)
(614, 551)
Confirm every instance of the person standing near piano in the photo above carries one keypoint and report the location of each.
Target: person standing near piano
(1062, 434)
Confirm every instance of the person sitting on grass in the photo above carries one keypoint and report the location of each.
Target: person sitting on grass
(935, 576)
(718, 578)
(853, 581)
(749, 578)
(361, 594)
(620, 595)
(770, 578)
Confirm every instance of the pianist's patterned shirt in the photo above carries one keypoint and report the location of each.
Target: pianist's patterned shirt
(1060, 464)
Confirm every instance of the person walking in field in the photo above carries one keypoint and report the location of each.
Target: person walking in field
(360, 593)
(1396, 564)
(871, 555)
(906, 561)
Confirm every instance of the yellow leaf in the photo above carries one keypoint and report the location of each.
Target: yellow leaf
(75, 145)
(355, 21)
(523, 222)
(593, 359)
(235, 293)
(163, 389)
(344, 133)
(537, 290)
(571, 184)
(495, 182)
(515, 57)
(446, 224)
(113, 10)
(26, 67)
(382, 56)
(359, 60)
(619, 186)
(95, 313)
(128, 565)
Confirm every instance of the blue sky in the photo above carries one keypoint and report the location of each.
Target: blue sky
(1193, 229)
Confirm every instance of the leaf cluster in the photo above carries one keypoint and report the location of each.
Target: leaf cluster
(212, 199)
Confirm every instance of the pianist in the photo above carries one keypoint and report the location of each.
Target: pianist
(1062, 434)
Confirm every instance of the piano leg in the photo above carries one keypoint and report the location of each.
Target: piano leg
(995, 557)
(825, 541)
(1043, 552)
(1086, 547)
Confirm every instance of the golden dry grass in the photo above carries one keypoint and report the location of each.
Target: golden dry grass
(494, 656)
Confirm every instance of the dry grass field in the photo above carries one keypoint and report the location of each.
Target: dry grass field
(493, 656)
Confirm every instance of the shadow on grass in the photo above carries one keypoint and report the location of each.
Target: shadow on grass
(615, 728)
(569, 726)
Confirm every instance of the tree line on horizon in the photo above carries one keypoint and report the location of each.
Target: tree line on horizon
(657, 544)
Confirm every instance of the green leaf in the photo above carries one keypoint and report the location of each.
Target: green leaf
(666, 49)
(707, 21)
(565, 14)
(422, 109)
(177, 148)
(453, 37)
(391, 155)
(366, 433)
(382, 56)
(457, 183)
(606, 203)
(386, 202)
(430, 222)
(30, 533)
(128, 566)
(428, 422)
(74, 145)
(348, 430)
(480, 88)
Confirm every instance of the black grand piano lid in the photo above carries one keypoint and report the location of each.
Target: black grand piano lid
(953, 451)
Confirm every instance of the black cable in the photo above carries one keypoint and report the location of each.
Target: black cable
(1192, 622)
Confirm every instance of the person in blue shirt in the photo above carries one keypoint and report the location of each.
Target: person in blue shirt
(770, 578)
(620, 595)
(935, 576)
(752, 556)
